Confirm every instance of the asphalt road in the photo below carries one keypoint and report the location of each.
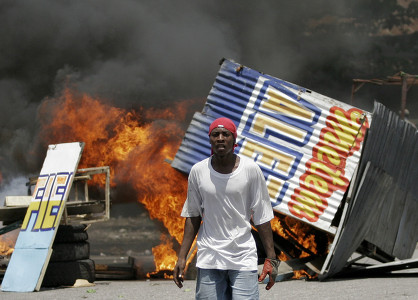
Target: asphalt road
(367, 288)
(131, 235)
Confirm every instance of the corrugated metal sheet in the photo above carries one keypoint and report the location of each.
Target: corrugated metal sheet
(307, 145)
(383, 211)
(392, 145)
(359, 219)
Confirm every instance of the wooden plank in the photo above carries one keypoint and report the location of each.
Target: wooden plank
(33, 247)
(13, 214)
(17, 201)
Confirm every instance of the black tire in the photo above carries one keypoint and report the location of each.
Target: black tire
(71, 237)
(70, 251)
(66, 273)
(71, 234)
(72, 228)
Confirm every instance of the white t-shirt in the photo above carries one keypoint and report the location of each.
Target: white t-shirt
(226, 203)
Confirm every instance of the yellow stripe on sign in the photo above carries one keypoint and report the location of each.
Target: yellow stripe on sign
(46, 218)
(274, 186)
(51, 219)
(33, 207)
(277, 102)
(36, 209)
(262, 122)
(268, 156)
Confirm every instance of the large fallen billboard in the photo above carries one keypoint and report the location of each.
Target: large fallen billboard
(307, 145)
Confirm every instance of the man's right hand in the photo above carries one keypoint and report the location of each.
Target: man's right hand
(178, 273)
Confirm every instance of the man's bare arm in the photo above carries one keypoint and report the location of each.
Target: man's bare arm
(191, 228)
(266, 236)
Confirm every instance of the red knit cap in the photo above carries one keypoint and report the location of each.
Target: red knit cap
(224, 123)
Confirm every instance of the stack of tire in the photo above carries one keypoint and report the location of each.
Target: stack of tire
(70, 258)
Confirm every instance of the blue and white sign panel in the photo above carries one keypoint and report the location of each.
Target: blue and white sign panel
(307, 145)
(34, 244)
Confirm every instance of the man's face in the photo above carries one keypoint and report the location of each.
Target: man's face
(222, 141)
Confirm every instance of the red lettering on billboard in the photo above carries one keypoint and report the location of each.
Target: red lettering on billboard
(325, 171)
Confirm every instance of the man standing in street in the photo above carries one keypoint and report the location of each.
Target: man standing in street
(226, 191)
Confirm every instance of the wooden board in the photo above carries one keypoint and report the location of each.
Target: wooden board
(14, 201)
(13, 214)
(33, 246)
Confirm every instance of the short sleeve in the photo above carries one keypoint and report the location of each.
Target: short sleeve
(262, 210)
(193, 205)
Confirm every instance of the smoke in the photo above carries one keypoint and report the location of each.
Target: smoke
(132, 53)
(150, 53)
(16, 187)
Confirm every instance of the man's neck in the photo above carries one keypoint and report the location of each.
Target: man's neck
(225, 164)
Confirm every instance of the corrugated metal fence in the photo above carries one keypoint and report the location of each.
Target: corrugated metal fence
(384, 209)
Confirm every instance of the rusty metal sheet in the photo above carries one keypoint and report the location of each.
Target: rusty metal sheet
(307, 145)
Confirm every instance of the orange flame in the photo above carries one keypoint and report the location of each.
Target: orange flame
(298, 274)
(165, 254)
(135, 144)
(282, 256)
(7, 242)
(304, 235)
(300, 231)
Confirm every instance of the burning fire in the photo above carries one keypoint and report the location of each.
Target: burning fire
(300, 231)
(7, 242)
(308, 240)
(135, 144)
(165, 253)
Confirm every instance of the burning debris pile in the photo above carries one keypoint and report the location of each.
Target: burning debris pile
(309, 147)
(135, 145)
